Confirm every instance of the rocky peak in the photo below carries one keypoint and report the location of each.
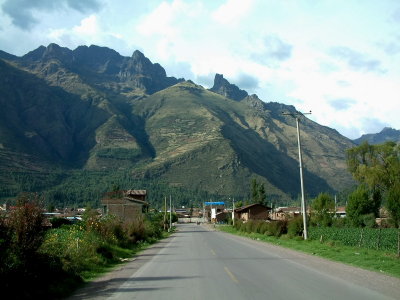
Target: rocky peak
(389, 130)
(54, 51)
(137, 55)
(254, 101)
(140, 64)
(7, 56)
(226, 89)
(387, 134)
(95, 54)
(135, 72)
(36, 54)
(280, 107)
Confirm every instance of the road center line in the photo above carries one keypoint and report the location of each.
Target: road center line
(231, 275)
(213, 252)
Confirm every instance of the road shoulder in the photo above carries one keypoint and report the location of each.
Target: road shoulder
(104, 286)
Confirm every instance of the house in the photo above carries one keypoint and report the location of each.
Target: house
(253, 211)
(341, 211)
(182, 212)
(222, 217)
(211, 209)
(284, 213)
(127, 205)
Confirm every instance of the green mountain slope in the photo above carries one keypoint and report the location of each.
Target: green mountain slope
(90, 110)
(205, 140)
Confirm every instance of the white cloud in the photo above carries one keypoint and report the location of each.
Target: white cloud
(232, 11)
(89, 27)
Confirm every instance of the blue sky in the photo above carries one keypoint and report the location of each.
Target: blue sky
(338, 58)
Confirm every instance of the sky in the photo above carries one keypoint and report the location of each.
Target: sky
(338, 58)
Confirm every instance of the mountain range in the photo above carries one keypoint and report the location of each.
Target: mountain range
(387, 134)
(93, 110)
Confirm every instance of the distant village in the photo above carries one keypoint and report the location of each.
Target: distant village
(218, 212)
(129, 204)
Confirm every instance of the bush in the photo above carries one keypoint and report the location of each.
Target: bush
(58, 222)
(111, 230)
(26, 223)
(277, 228)
(369, 221)
(263, 227)
(341, 222)
(295, 227)
(249, 226)
(75, 247)
(238, 225)
(57, 259)
(5, 247)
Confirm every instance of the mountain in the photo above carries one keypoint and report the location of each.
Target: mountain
(223, 87)
(94, 112)
(387, 134)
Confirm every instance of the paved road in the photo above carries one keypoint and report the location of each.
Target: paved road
(199, 263)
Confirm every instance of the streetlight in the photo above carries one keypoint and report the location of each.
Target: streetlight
(303, 203)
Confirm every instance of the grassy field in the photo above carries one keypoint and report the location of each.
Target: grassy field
(380, 261)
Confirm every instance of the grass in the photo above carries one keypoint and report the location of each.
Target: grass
(369, 259)
(123, 255)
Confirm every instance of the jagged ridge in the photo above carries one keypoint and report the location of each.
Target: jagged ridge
(95, 109)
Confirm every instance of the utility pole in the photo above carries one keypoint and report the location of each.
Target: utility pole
(204, 212)
(165, 212)
(170, 213)
(303, 203)
(233, 211)
(335, 206)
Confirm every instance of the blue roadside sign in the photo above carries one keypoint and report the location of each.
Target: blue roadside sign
(214, 203)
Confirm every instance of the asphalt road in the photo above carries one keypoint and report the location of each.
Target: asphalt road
(199, 263)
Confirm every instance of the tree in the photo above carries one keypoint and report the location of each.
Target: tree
(378, 168)
(262, 196)
(254, 190)
(258, 194)
(360, 208)
(323, 206)
(238, 203)
(393, 204)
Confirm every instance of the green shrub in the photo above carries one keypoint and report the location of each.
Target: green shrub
(238, 225)
(295, 227)
(263, 229)
(26, 223)
(341, 222)
(249, 226)
(277, 228)
(74, 246)
(258, 226)
(5, 247)
(58, 222)
(369, 220)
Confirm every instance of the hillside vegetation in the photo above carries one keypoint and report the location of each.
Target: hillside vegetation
(93, 112)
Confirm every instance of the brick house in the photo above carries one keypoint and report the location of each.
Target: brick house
(126, 205)
(253, 211)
